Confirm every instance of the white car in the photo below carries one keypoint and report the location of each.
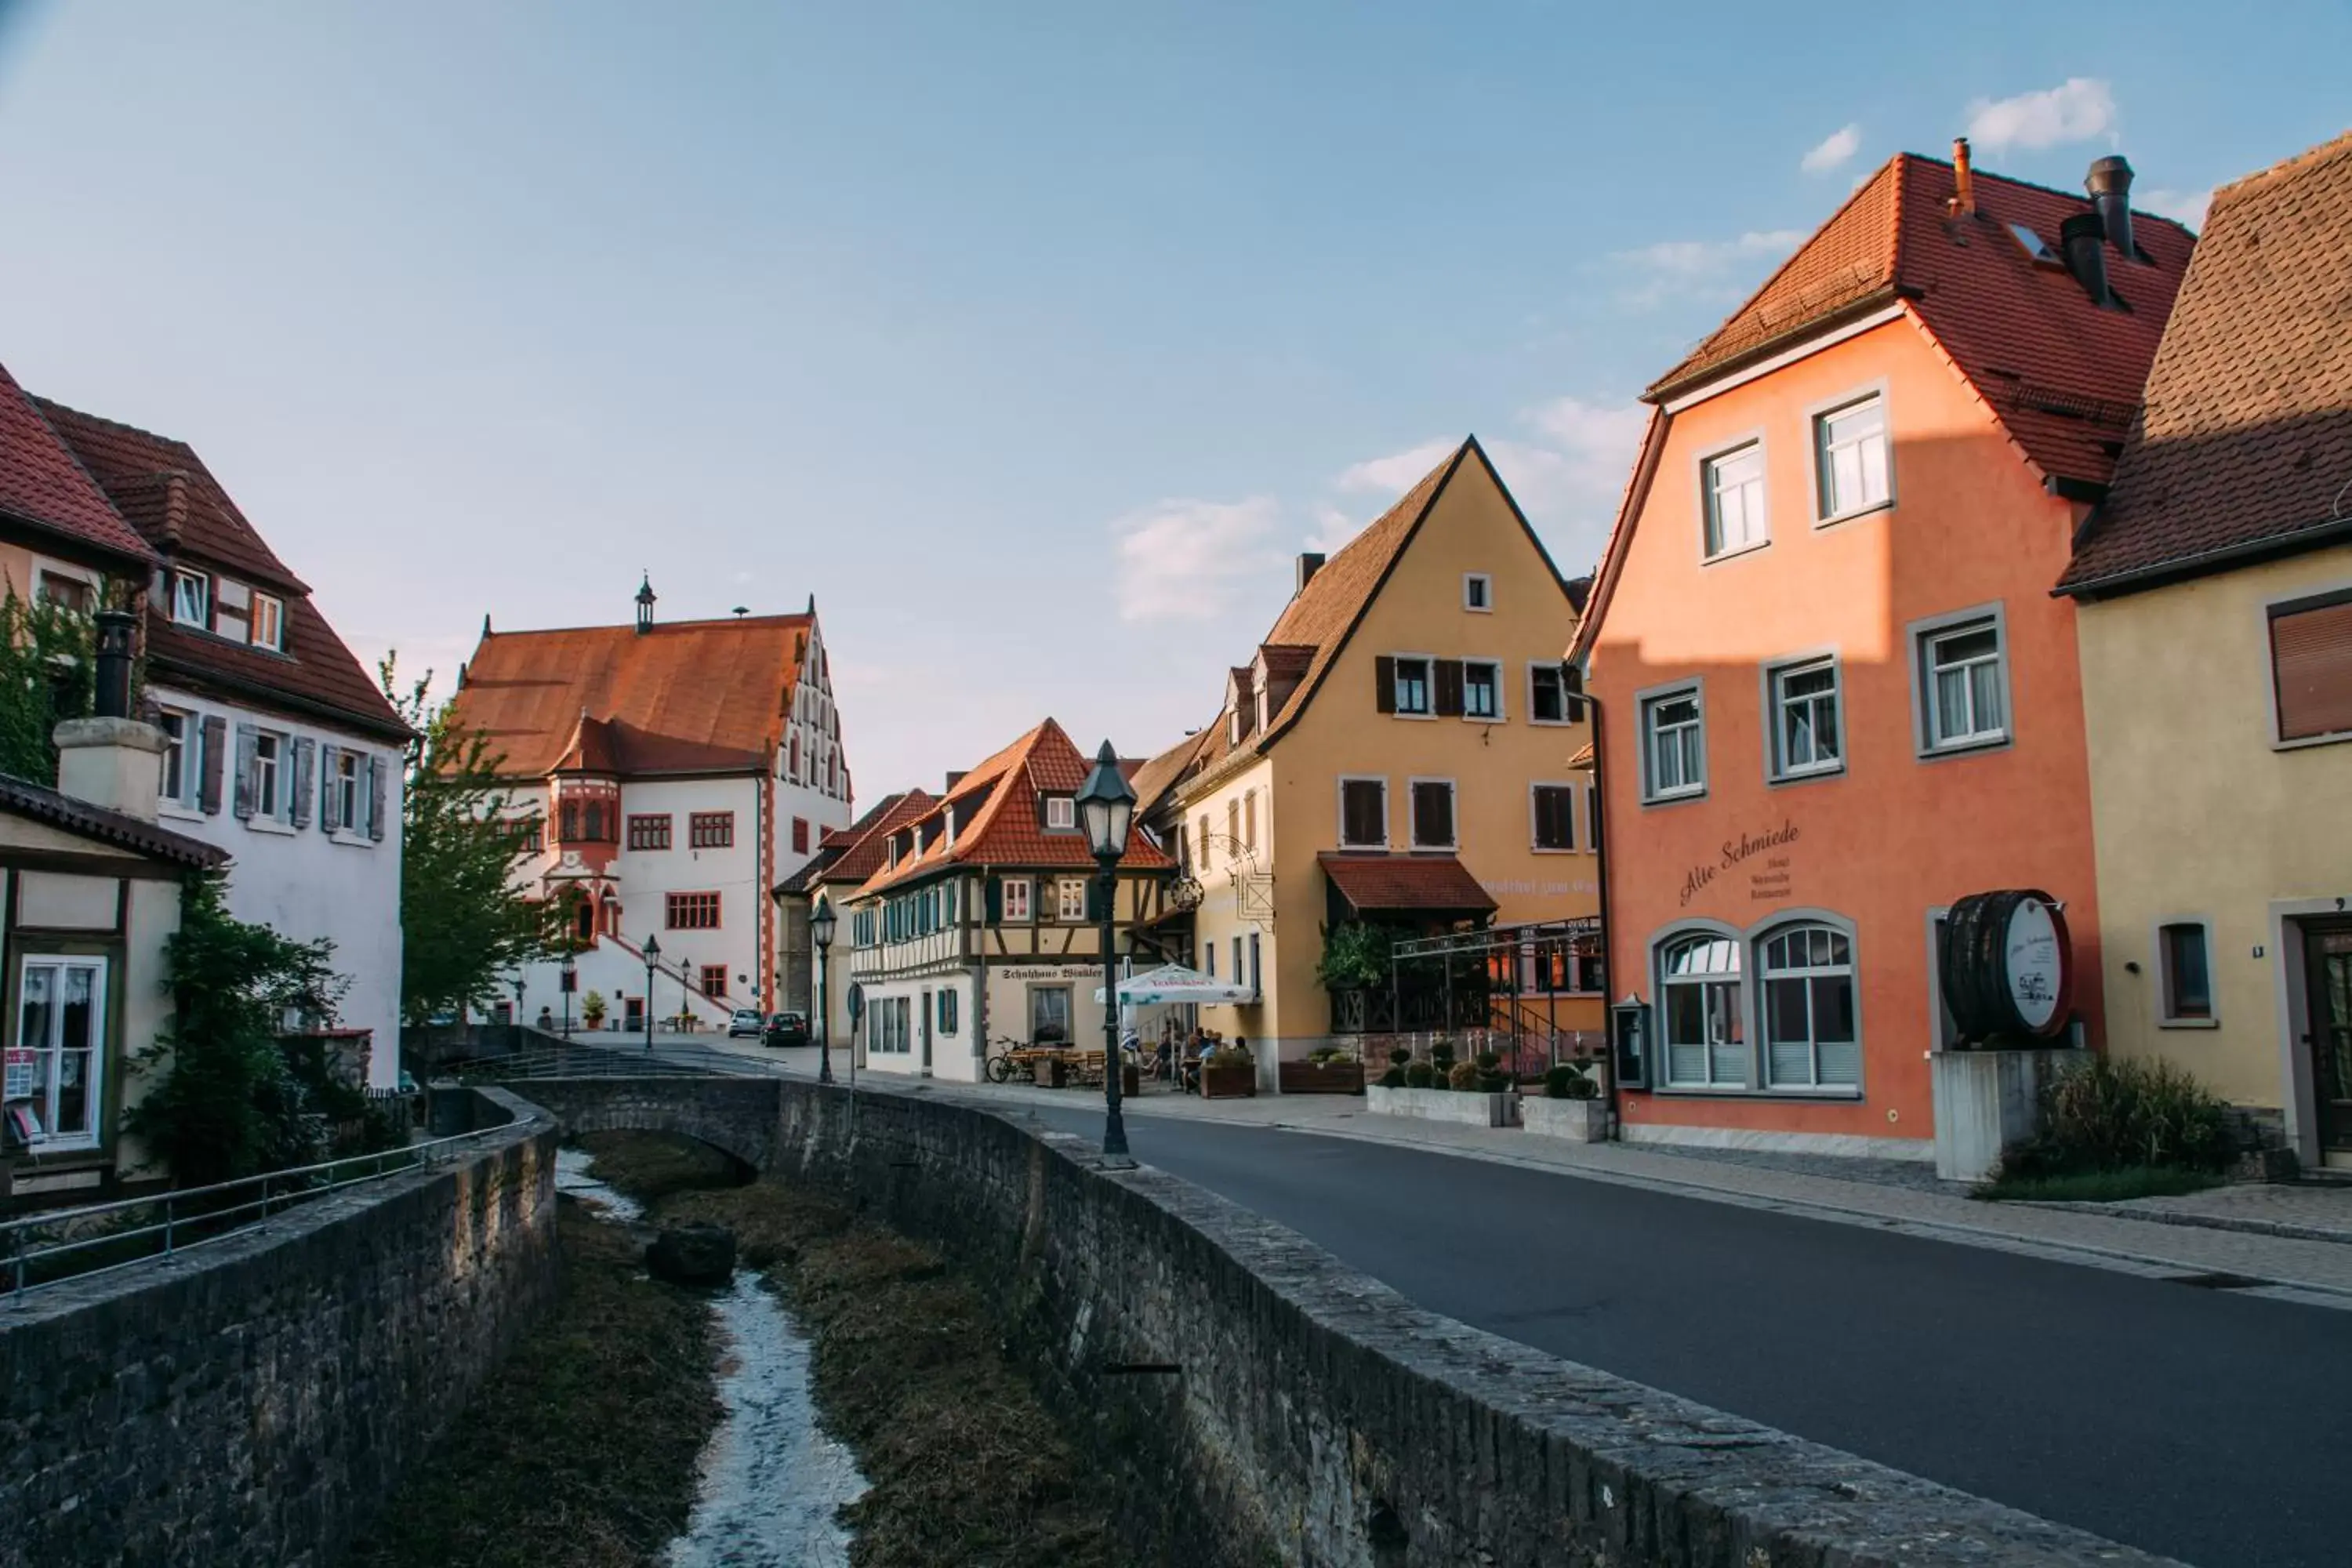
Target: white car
(745, 1024)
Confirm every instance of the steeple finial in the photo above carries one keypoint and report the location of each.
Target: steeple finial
(645, 603)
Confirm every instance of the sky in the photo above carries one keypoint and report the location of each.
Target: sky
(1034, 340)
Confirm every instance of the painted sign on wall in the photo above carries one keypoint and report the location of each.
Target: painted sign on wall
(1764, 856)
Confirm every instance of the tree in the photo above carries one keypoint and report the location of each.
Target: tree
(465, 925)
(48, 672)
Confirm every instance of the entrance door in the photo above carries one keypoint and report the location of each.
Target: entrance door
(926, 1034)
(2327, 950)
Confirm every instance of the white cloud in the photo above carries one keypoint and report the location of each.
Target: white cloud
(1705, 270)
(2077, 110)
(1396, 473)
(1184, 560)
(1833, 150)
(1333, 529)
(2186, 206)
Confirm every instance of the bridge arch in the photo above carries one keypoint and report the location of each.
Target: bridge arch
(738, 1116)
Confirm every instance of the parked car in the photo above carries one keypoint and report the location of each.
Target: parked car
(744, 1025)
(788, 1029)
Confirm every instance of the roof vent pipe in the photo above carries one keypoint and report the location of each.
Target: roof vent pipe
(2109, 183)
(115, 629)
(2080, 240)
(1964, 181)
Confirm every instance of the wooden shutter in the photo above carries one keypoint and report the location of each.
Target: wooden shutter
(2311, 658)
(1095, 910)
(331, 799)
(1449, 688)
(306, 760)
(375, 788)
(1384, 684)
(216, 743)
(249, 744)
(995, 900)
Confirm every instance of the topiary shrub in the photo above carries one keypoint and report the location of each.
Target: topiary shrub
(2119, 1115)
(1566, 1082)
(1441, 1052)
(1394, 1078)
(1465, 1077)
(1418, 1075)
(1487, 1061)
(1401, 1055)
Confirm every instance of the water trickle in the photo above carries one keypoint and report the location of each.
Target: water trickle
(571, 1176)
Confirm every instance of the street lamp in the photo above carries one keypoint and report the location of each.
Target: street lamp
(1106, 805)
(821, 923)
(653, 966)
(567, 984)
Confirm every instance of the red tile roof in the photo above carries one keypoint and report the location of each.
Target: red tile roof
(167, 493)
(42, 484)
(1425, 884)
(684, 698)
(865, 853)
(2245, 442)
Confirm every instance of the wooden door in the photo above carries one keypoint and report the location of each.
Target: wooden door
(2327, 952)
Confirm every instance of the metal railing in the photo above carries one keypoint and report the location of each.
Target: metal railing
(583, 1059)
(56, 1244)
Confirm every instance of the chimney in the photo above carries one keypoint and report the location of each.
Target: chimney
(112, 760)
(115, 628)
(955, 777)
(1964, 197)
(1310, 562)
(2081, 240)
(2110, 182)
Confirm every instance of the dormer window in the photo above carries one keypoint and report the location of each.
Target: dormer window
(270, 622)
(1061, 813)
(191, 599)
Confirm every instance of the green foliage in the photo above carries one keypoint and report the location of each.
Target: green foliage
(1420, 1075)
(1355, 956)
(1566, 1082)
(465, 925)
(1488, 1060)
(1395, 1078)
(592, 1009)
(49, 672)
(230, 1104)
(1464, 1077)
(1441, 1052)
(1400, 1055)
(1229, 1054)
(2118, 1115)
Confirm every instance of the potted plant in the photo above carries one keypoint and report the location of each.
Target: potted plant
(1570, 1107)
(592, 1009)
(1228, 1072)
(1443, 1090)
(1328, 1069)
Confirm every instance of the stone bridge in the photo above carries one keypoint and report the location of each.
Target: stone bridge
(739, 1115)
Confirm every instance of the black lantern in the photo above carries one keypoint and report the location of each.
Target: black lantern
(653, 967)
(1105, 806)
(821, 924)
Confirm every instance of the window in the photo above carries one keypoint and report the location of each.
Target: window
(268, 622)
(1555, 816)
(1016, 898)
(1249, 819)
(948, 1010)
(1806, 735)
(350, 801)
(182, 764)
(1061, 812)
(1698, 996)
(800, 835)
(191, 599)
(1673, 745)
(1241, 975)
(1482, 689)
(76, 593)
(1432, 814)
(1070, 897)
(1233, 827)
(1477, 592)
(1209, 958)
(1412, 686)
(648, 831)
(1363, 814)
(59, 1053)
(1202, 839)
(1734, 486)
(1049, 1015)
(526, 833)
(710, 829)
(2311, 668)
(1850, 457)
(1548, 700)
(2183, 954)
(1593, 819)
(269, 764)
(693, 911)
(714, 981)
(1963, 685)
(1810, 1041)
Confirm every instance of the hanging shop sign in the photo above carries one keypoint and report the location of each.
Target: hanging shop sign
(2008, 967)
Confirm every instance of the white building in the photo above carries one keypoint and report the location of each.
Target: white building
(676, 773)
(281, 750)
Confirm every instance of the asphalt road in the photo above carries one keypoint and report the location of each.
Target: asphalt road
(2214, 1427)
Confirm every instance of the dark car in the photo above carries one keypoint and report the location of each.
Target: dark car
(787, 1029)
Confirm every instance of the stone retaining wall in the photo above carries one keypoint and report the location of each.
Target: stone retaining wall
(255, 1399)
(1263, 1402)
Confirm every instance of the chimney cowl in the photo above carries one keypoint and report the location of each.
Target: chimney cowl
(2082, 240)
(1964, 181)
(1310, 562)
(117, 631)
(2109, 184)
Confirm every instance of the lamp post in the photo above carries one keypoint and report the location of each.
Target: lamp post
(821, 923)
(653, 966)
(1106, 805)
(570, 982)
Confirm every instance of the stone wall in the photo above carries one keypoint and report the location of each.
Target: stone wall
(255, 1399)
(1265, 1403)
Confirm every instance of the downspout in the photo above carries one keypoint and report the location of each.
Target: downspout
(1608, 929)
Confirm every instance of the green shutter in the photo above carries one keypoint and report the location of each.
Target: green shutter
(996, 902)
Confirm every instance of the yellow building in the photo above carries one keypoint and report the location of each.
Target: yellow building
(1395, 761)
(2215, 587)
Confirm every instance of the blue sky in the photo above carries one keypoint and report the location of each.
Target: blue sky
(1033, 339)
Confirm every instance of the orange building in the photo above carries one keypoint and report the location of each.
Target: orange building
(1835, 692)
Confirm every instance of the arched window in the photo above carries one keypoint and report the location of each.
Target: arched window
(796, 756)
(1699, 997)
(1809, 1039)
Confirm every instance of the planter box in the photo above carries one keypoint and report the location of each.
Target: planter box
(1441, 1105)
(1234, 1082)
(1309, 1078)
(1987, 1101)
(1578, 1120)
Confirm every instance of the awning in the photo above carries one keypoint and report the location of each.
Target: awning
(1406, 884)
(1174, 983)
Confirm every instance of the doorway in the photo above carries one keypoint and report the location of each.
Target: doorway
(926, 1034)
(2328, 968)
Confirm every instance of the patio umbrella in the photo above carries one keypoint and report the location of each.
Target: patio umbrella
(1175, 982)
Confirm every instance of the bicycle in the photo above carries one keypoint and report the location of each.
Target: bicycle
(1000, 1067)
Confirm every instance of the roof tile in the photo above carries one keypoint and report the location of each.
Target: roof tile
(41, 482)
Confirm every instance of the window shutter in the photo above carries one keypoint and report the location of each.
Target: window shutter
(1094, 900)
(306, 757)
(248, 745)
(1449, 688)
(1384, 681)
(376, 798)
(2311, 653)
(216, 743)
(996, 902)
(330, 802)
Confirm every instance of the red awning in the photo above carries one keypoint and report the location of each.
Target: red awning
(1418, 884)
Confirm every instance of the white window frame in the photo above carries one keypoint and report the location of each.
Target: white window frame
(352, 806)
(184, 584)
(1478, 593)
(1660, 947)
(1006, 913)
(1536, 668)
(273, 769)
(1070, 898)
(1428, 663)
(1817, 419)
(2166, 1019)
(1502, 704)
(275, 641)
(1413, 814)
(1708, 520)
(1061, 813)
(1339, 801)
(1920, 638)
(1575, 805)
(96, 1066)
(1777, 767)
(1761, 977)
(186, 749)
(1645, 703)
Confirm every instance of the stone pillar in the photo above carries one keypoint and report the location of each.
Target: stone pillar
(113, 762)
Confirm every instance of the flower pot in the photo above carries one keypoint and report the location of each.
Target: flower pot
(1578, 1120)
(1443, 1105)
(1228, 1081)
(1319, 1078)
